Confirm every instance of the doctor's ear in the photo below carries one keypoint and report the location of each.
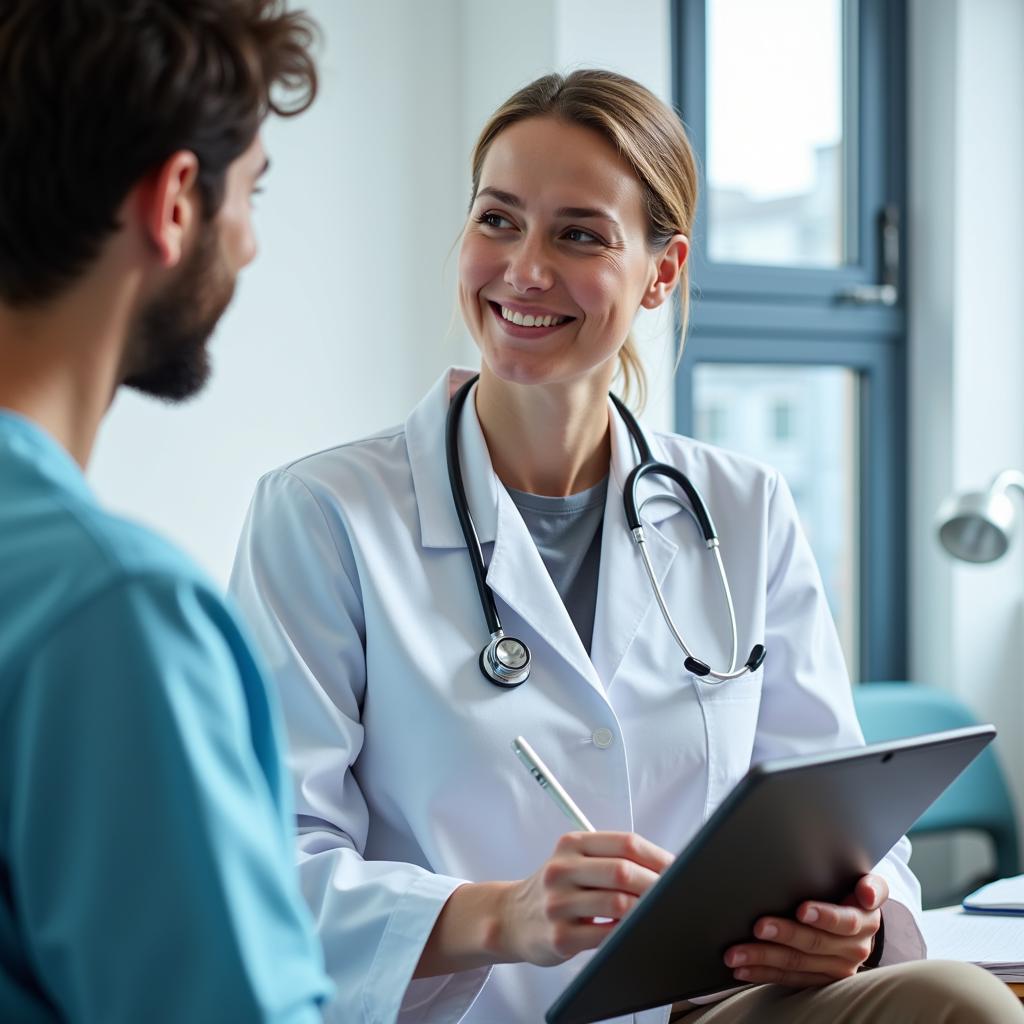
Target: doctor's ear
(169, 206)
(668, 266)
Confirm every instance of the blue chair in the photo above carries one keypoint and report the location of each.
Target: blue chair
(978, 800)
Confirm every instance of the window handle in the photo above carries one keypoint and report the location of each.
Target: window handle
(886, 293)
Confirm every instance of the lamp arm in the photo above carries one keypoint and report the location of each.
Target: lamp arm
(1008, 478)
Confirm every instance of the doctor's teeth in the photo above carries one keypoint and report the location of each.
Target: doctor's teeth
(529, 320)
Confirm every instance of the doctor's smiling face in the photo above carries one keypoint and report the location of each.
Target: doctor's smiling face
(556, 256)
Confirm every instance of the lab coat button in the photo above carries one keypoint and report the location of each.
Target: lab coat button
(602, 738)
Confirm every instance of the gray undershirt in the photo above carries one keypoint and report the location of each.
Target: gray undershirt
(567, 532)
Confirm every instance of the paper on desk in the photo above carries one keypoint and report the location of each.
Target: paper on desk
(1005, 896)
(994, 941)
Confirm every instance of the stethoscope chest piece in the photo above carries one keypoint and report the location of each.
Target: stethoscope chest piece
(505, 660)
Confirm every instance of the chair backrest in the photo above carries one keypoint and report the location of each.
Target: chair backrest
(979, 798)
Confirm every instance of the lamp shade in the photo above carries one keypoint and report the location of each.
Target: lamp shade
(978, 526)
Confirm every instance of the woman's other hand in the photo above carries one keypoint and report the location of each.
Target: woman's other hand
(826, 942)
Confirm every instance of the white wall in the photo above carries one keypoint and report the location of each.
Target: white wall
(348, 314)
(966, 243)
(341, 322)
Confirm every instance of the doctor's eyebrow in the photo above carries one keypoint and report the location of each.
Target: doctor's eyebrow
(574, 212)
(508, 198)
(584, 213)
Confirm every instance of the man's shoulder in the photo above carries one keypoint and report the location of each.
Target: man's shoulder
(78, 539)
(124, 549)
(61, 551)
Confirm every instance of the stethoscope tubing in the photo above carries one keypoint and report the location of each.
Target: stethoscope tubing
(506, 661)
(461, 503)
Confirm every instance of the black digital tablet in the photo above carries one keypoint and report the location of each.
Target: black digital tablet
(793, 829)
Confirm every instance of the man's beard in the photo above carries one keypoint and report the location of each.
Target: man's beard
(166, 355)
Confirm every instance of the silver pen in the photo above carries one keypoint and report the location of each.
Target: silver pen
(540, 771)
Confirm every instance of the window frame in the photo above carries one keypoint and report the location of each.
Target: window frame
(790, 316)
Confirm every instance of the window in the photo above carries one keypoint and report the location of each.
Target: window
(777, 152)
(711, 420)
(797, 340)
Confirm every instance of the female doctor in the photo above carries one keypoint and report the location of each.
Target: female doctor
(438, 873)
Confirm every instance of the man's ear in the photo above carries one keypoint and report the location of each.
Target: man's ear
(667, 270)
(170, 205)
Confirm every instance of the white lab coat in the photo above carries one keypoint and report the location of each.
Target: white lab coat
(354, 574)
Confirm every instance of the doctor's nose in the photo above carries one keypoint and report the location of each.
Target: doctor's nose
(529, 268)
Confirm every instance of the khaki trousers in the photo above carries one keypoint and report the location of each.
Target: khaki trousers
(920, 992)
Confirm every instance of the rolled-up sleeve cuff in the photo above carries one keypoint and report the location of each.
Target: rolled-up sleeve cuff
(390, 994)
(903, 939)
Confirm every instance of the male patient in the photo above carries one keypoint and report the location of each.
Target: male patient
(146, 868)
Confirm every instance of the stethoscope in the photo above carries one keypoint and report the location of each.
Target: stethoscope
(506, 660)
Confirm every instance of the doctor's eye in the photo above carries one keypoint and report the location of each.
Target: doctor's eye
(494, 220)
(579, 235)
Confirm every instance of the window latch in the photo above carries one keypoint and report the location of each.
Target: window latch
(886, 293)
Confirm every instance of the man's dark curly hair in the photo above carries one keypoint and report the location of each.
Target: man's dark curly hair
(94, 94)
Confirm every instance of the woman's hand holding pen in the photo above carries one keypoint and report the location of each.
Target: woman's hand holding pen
(569, 904)
(549, 917)
(825, 943)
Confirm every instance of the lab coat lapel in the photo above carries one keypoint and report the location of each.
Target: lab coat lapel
(516, 573)
(518, 576)
(424, 439)
(624, 593)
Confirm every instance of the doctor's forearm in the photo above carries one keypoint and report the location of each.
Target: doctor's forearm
(469, 932)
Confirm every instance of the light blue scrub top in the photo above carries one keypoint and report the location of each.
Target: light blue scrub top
(146, 864)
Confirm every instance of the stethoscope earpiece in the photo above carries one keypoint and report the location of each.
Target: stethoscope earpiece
(757, 654)
(702, 668)
(505, 661)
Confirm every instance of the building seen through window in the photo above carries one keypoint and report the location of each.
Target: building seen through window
(802, 420)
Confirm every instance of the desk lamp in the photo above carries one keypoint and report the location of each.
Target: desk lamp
(978, 526)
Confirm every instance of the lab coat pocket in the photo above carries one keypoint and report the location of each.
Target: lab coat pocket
(730, 711)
